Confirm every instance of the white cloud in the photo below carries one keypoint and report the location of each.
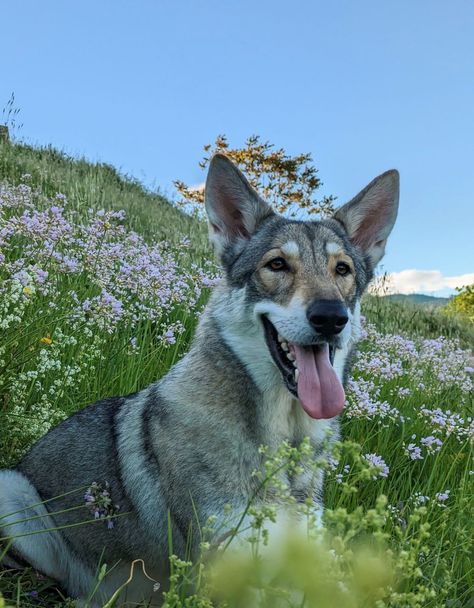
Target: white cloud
(425, 281)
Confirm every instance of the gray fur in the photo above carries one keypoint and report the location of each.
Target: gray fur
(181, 449)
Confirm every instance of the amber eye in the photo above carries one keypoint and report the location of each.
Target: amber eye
(342, 268)
(277, 264)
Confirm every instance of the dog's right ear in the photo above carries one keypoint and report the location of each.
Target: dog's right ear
(234, 209)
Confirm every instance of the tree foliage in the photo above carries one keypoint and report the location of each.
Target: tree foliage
(463, 303)
(287, 182)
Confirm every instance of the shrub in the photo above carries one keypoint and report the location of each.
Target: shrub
(463, 303)
(286, 182)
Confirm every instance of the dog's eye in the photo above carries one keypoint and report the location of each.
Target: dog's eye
(342, 268)
(277, 264)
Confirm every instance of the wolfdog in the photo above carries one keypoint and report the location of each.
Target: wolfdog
(267, 364)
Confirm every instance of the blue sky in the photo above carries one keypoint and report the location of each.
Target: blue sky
(364, 86)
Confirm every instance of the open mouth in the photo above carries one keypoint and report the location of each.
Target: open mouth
(307, 372)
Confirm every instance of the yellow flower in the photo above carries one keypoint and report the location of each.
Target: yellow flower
(27, 291)
(46, 340)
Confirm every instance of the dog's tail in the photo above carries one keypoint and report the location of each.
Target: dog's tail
(24, 525)
(28, 533)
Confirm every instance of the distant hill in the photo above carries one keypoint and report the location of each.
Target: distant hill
(418, 298)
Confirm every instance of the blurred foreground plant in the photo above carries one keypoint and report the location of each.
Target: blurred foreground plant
(349, 563)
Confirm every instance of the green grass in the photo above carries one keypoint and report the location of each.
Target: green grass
(107, 367)
(416, 320)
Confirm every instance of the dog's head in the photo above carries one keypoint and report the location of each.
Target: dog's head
(302, 279)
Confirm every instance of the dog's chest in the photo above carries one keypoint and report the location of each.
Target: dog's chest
(283, 419)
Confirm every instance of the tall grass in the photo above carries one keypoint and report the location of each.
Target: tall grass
(417, 320)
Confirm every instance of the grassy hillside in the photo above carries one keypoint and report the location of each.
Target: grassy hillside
(90, 309)
(100, 185)
(407, 318)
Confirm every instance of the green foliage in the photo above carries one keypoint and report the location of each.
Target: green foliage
(286, 182)
(462, 304)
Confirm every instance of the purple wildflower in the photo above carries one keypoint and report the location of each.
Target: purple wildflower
(413, 451)
(442, 497)
(99, 503)
(379, 464)
(433, 444)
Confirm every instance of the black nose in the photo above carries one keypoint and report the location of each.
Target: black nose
(328, 317)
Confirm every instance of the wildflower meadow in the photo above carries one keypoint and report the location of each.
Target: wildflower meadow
(93, 304)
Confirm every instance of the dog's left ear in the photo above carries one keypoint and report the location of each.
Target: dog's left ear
(233, 207)
(369, 217)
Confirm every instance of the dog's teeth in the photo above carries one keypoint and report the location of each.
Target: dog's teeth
(297, 374)
(284, 346)
(280, 338)
(291, 356)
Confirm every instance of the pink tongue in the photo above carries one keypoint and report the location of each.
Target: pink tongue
(319, 389)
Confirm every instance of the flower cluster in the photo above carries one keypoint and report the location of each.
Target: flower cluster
(378, 464)
(78, 288)
(128, 279)
(448, 423)
(99, 502)
(393, 373)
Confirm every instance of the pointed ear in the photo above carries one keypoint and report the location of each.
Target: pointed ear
(369, 217)
(234, 209)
